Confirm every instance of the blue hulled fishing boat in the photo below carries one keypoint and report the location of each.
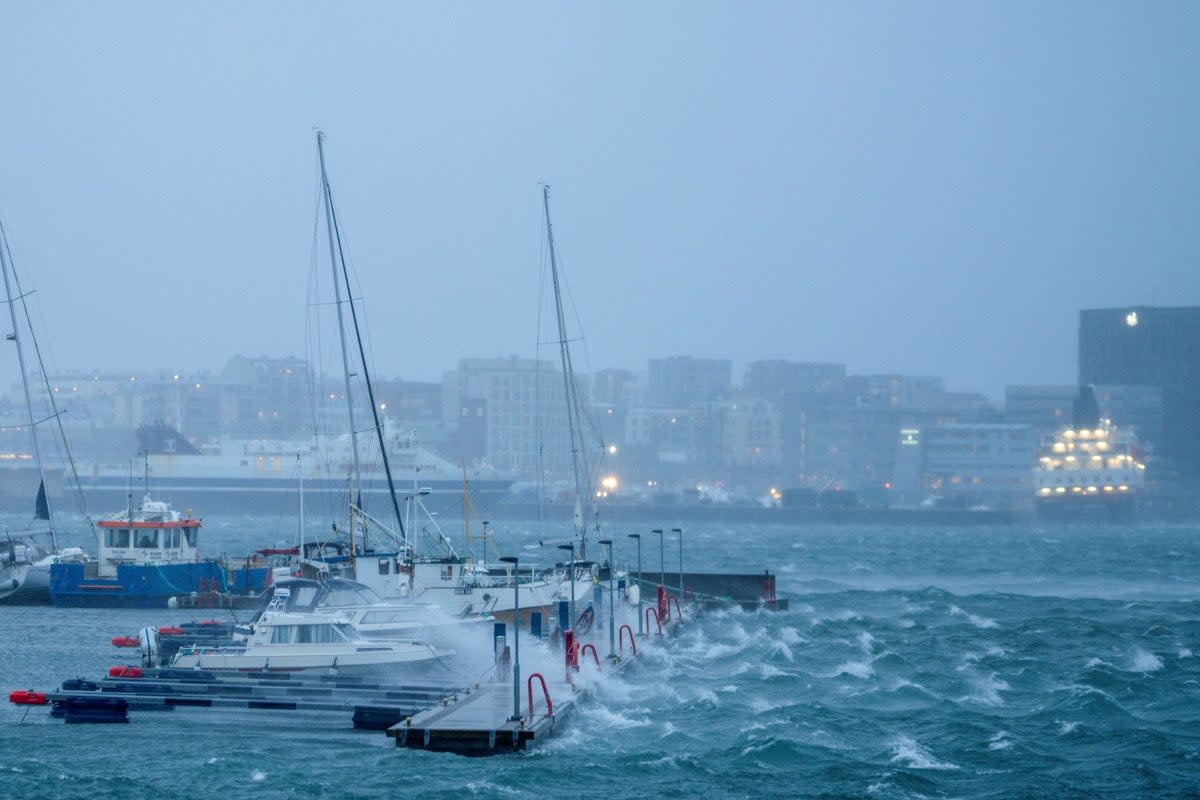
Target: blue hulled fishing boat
(147, 555)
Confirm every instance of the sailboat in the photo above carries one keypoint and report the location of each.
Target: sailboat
(27, 555)
(581, 465)
(386, 558)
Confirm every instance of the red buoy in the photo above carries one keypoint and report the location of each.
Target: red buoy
(125, 641)
(27, 697)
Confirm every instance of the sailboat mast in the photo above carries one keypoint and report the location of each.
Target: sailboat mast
(564, 351)
(334, 233)
(15, 336)
(326, 195)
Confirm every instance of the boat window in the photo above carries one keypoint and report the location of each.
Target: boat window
(117, 537)
(385, 566)
(303, 597)
(343, 597)
(190, 533)
(147, 538)
(347, 632)
(309, 634)
(174, 538)
(282, 634)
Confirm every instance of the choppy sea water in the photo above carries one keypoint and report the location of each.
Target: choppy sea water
(945, 663)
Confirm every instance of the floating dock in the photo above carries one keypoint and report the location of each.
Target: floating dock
(481, 722)
(502, 716)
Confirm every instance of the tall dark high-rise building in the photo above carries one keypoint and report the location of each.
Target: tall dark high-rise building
(1145, 346)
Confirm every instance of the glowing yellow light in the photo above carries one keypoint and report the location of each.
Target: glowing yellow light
(1060, 490)
(1123, 488)
(1044, 490)
(1108, 488)
(1131, 319)
(609, 482)
(612, 449)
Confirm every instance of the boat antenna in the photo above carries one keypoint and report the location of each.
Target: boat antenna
(570, 391)
(15, 337)
(336, 234)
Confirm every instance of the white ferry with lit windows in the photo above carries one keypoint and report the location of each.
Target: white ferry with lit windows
(1091, 469)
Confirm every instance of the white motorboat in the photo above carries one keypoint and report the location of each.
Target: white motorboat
(360, 606)
(286, 641)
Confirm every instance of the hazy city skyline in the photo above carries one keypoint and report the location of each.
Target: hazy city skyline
(934, 190)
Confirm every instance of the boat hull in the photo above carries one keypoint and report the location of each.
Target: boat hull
(1087, 509)
(369, 659)
(148, 585)
(25, 584)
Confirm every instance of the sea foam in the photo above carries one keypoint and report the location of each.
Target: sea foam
(910, 753)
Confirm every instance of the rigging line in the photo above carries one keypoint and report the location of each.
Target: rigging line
(5, 264)
(366, 373)
(312, 328)
(570, 388)
(539, 401)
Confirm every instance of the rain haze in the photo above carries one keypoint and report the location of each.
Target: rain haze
(933, 189)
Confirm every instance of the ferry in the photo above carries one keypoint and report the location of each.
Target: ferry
(148, 554)
(1092, 469)
(266, 473)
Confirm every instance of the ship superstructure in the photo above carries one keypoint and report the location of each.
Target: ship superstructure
(1091, 468)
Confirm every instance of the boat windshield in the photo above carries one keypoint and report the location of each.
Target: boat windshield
(351, 596)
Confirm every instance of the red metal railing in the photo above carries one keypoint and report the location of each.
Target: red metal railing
(595, 655)
(545, 693)
(621, 639)
(657, 620)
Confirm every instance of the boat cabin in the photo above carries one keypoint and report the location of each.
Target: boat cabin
(156, 534)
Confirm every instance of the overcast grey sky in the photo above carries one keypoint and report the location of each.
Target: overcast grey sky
(929, 188)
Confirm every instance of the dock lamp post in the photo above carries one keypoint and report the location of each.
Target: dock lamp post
(679, 532)
(662, 575)
(638, 536)
(612, 612)
(571, 578)
(516, 715)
